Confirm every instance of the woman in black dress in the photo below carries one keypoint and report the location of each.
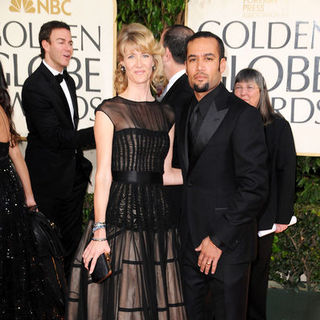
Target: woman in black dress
(251, 87)
(22, 292)
(134, 136)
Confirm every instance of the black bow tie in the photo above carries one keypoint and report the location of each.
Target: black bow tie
(59, 77)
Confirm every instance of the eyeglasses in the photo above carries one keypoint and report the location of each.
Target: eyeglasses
(248, 88)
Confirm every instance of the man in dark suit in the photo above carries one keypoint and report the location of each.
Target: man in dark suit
(59, 172)
(224, 157)
(177, 93)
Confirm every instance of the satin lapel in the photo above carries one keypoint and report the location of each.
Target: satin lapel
(74, 102)
(209, 126)
(63, 103)
(60, 98)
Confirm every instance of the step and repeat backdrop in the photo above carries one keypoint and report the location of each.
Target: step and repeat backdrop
(281, 39)
(93, 28)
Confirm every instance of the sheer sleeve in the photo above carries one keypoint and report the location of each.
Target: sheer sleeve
(169, 112)
(106, 108)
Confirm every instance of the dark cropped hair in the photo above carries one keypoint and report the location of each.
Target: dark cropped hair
(6, 105)
(264, 104)
(208, 34)
(175, 39)
(46, 30)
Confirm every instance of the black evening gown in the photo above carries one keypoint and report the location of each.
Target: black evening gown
(145, 283)
(21, 286)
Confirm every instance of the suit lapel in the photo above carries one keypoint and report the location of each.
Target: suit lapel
(212, 121)
(61, 100)
(208, 127)
(64, 104)
(74, 102)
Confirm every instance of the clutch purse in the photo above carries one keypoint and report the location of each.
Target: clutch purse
(102, 269)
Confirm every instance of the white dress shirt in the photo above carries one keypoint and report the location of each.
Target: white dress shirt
(65, 89)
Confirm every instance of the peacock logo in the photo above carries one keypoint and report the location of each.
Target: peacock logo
(52, 7)
(22, 5)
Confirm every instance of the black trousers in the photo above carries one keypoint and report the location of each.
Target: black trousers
(258, 288)
(222, 296)
(66, 213)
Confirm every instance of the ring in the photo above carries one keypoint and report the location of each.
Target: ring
(208, 263)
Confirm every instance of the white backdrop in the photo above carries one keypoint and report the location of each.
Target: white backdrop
(281, 39)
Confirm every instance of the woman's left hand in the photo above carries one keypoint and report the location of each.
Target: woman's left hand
(95, 249)
(92, 253)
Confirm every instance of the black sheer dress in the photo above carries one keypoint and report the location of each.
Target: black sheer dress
(21, 286)
(145, 283)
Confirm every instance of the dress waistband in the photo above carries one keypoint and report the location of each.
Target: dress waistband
(137, 177)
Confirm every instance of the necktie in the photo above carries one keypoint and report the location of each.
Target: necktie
(59, 77)
(194, 124)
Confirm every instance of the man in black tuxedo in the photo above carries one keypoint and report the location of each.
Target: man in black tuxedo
(177, 93)
(58, 170)
(224, 156)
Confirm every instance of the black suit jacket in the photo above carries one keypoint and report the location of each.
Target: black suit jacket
(282, 171)
(178, 97)
(227, 186)
(54, 145)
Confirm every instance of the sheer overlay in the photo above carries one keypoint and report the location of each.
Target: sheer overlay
(145, 283)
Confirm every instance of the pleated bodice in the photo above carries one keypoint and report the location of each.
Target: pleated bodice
(140, 145)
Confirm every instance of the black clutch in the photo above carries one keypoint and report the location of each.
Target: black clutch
(102, 269)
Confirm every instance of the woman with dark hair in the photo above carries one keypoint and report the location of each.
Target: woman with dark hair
(251, 87)
(21, 288)
(132, 220)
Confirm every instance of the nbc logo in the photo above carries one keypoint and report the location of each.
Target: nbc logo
(18, 5)
(40, 6)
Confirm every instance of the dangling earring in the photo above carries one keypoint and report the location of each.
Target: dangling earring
(123, 69)
(153, 67)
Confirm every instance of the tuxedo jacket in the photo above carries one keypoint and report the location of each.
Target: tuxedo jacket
(226, 187)
(282, 173)
(178, 97)
(53, 153)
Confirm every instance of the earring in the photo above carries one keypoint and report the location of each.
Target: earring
(123, 69)
(153, 67)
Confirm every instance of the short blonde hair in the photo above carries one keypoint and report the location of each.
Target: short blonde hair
(142, 39)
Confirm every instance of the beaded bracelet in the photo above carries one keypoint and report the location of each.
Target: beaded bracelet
(99, 239)
(98, 225)
(95, 228)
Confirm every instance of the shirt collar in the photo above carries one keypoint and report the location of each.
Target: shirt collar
(52, 70)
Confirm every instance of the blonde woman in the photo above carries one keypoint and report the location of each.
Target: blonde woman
(132, 220)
